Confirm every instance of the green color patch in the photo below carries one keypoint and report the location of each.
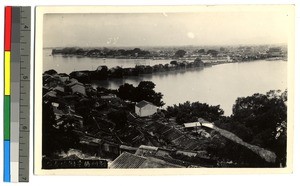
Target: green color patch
(6, 117)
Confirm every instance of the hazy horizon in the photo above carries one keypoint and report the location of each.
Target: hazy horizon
(165, 30)
(172, 46)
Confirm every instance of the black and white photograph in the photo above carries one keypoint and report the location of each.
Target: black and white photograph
(164, 88)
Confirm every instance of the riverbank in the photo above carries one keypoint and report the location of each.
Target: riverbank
(105, 73)
(102, 72)
(118, 63)
(219, 84)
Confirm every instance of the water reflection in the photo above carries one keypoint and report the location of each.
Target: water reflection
(216, 85)
(114, 83)
(60, 63)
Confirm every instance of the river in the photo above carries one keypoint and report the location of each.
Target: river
(216, 85)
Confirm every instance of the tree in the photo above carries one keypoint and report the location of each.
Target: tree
(222, 49)
(126, 92)
(121, 52)
(190, 112)
(69, 50)
(180, 53)
(266, 116)
(100, 73)
(136, 50)
(80, 51)
(235, 127)
(118, 117)
(213, 52)
(56, 138)
(116, 72)
(81, 76)
(144, 91)
(146, 85)
(50, 72)
(280, 145)
(94, 52)
(260, 112)
(201, 51)
(198, 62)
(175, 63)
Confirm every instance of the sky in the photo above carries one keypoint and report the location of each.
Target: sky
(165, 29)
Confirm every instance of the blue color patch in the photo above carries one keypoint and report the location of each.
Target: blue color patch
(6, 172)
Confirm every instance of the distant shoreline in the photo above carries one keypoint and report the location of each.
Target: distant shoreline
(170, 58)
(102, 73)
(179, 61)
(208, 56)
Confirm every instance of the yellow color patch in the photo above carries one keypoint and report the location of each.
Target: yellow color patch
(7, 73)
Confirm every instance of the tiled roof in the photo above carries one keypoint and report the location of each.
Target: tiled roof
(143, 150)
(196, 124)
(127, 161)
(201, 120)
(63, 75)
(125, 147)
(131, 161)
(193, 124)
(74, 83)
(59, 88)
(143, 103)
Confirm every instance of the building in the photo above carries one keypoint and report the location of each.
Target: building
(132, 161)
(223, 58)
(195, 127)
(207, 58)
(60, 90)
(64, 77)
(275, 52)
(128, 161)
(125, 148)
(58, 112)
(199, 123)
(144, 150)
(76, 87)
(186, 153)
(192, 125)
(145, 108)
(51, 81)
(109, 96)
(50, 94)
(220, 58)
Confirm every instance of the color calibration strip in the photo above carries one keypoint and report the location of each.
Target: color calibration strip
(16, 93)
(7, 58)
(24, 92)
